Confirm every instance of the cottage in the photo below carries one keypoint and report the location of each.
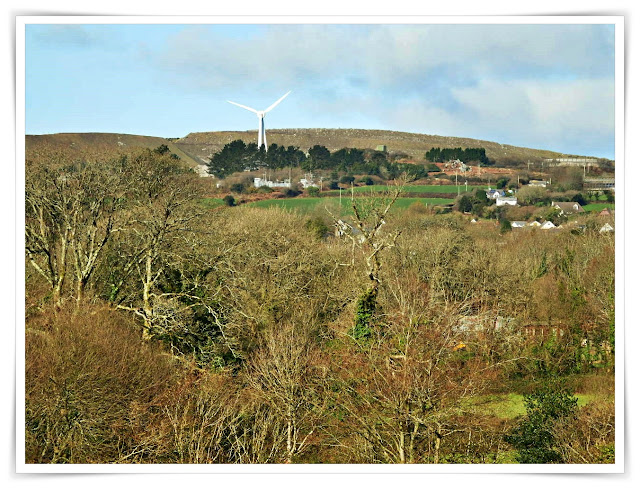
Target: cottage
(518, 224)
(567, 208)
(500, 201)
(547, 225)
(493, 194)
(535, 224)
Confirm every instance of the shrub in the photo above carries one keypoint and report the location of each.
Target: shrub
(317, 227)
(347, 179)
(290, 192)
(313, 191)
(534, 436)
(229, 201)
(237, 188)
(85, 376)
(367, 180)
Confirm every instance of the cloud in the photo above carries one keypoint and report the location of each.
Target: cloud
(386, 55)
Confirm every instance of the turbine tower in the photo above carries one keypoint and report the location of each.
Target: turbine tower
(262, 135)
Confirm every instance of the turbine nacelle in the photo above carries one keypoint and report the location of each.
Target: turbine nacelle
(262, 135)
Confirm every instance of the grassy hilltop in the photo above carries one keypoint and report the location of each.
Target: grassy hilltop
(197, 148)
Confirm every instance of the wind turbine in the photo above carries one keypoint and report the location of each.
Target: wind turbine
(262, 135)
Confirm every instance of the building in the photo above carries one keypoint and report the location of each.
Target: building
(500, 201)
(547, 225)
(493, 194)
(537, 183)
(518, 224)
(381, 147)
(263, 182)
(567, 208)
(598, 184)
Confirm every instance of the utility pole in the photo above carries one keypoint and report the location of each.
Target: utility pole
(458, 188)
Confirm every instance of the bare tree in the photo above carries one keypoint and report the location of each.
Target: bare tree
(285, 374)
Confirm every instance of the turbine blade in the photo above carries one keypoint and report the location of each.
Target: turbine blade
(243, 106)
(277, 102)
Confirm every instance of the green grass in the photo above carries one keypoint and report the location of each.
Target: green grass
(598, 206)
(308, 204)
(409, 189)
(211, 203)
(509, 406)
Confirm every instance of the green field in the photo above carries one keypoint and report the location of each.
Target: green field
(210, 203)
(409, 189)
(598, 206)
(509, 406)
(308, 204)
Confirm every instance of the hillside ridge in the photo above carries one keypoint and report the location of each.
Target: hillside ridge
(198, 147)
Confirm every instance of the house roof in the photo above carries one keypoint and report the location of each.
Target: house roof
(518, 224)
(568, 207)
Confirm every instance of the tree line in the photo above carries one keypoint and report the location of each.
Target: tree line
(237, 156)
(467, 155)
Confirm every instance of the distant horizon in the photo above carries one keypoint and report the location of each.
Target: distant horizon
(320, 128)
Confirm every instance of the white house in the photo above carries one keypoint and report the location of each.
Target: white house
(535, 224)
(518, 224)
(500, 201)
(547, 225)
(493, 194)
(261, 182)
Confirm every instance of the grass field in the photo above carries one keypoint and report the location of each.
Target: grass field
(598, 206)
(308, 204)
(509, 406)
(210, 203)
(409, 189)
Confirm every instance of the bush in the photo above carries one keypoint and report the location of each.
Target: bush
(333, 185)
(367, 180)
(534, 436)
(237, 188)
(88, 375)
(317, 227)
(290, 192)
(347, 179)
(229, 201)
(313, 191)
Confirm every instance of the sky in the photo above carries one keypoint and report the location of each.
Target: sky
(539, 86)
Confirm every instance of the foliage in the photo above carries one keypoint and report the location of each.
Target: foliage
(534, 436)
(229, 200)
(466, 155)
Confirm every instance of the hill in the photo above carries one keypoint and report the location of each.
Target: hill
(197, 148)
(201, 145)
(101, 142)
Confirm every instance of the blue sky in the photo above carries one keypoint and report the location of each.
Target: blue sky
(540, 86)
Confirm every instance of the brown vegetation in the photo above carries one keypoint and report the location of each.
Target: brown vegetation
(242, 335)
